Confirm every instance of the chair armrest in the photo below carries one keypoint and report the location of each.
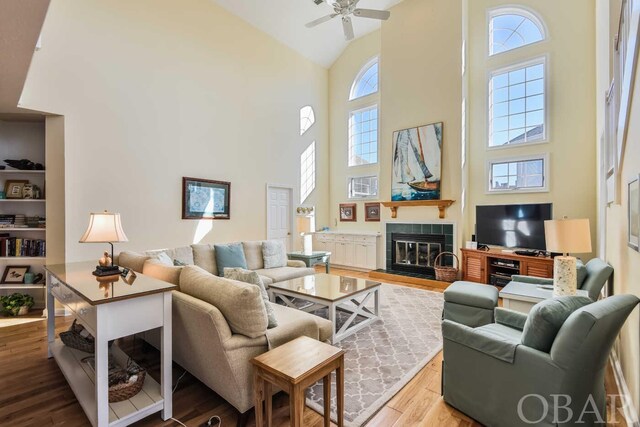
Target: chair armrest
(479, 340)
(296, 263)
(531, 279)
(510, 318)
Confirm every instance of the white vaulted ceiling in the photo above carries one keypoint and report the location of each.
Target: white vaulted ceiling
(285, 21)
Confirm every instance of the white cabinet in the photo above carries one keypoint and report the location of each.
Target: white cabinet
(352, 250)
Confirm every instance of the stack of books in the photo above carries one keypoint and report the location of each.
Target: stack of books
(19, 247)
(7, 221)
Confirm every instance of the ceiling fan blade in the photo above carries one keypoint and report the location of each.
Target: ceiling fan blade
(348, 28)
(321, 20)
(374, 14)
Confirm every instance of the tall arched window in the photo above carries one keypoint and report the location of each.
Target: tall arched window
(511, 28)
(366, 83)
(307, 119)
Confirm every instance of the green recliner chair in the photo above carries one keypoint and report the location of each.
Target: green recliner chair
(522, 370)
(592, 277)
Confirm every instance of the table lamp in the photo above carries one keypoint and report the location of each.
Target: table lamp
(566, 236)
(304, 227)
(105, 227)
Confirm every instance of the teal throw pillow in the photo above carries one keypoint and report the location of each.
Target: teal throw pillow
(546, 318)
(248, 276)
(229, 256)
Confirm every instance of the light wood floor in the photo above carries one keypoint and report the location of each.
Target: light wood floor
(33, 391)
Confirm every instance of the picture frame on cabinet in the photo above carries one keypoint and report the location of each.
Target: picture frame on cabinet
(13, 188)
(14, 274)
(633, 213)
(348, 212)
(372, 212)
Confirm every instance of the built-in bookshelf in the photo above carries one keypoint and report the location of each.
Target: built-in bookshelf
(23, 213)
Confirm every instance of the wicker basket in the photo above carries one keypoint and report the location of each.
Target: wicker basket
(120, 392)
(73, 339)
(444, 273)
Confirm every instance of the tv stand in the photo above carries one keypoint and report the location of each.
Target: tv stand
(496, 267)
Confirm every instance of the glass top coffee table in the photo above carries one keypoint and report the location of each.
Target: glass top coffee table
(335, 293)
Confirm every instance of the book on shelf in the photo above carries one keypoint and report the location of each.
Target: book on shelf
(19, 247)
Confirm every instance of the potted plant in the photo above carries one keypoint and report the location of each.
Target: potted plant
(16, 304)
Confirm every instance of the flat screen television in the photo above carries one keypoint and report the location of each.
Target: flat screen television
(513, 226)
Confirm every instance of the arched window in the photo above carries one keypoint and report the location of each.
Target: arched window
(366, 82)
(307, 119)
(513, 28)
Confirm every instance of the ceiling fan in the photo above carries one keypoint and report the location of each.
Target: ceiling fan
(346, 8)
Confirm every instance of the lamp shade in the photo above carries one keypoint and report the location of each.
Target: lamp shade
(104, 227)
(568, 236)
(303, 224)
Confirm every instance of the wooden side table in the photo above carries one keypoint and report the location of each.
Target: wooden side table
(293, 367)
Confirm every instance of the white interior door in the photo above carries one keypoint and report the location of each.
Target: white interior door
(279, 215)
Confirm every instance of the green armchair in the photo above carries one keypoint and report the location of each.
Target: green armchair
(494, 374)
(592, 277)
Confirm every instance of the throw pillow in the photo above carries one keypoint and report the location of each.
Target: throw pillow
(274, 254)
(240, 303)
(546, 318)
(163, 258)
(179, 263)
(581, 273)
(248, 276)
(229, 256)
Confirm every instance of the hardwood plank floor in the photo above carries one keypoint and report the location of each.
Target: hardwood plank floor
(33, 391)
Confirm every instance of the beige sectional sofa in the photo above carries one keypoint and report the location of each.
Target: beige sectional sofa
(203, 341)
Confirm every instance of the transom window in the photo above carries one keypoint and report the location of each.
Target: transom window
(307, 172)
(517, 105)
(362, 187)
(513, 29)
(518, 174)
(363, 136)
(367, 81)
(307, 119)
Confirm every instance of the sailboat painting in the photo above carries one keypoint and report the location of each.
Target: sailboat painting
(417, 163)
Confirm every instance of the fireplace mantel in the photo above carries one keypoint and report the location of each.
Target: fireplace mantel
(441, 204)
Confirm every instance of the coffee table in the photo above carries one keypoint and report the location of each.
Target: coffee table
(335, 293)
(521, 296)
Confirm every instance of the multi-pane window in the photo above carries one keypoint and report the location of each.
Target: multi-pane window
(526, 174)
(363, 187)
(363, 137)
(517, 105)
(367, 81)
(509, 31)
(307, 119)
(307, 172)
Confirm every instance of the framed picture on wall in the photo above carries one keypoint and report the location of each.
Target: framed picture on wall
(633, 198)
(348, 212)
(372, 212)
(205, 199)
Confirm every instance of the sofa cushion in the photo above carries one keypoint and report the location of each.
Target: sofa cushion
(294, 323)
(547, 317)
(581, 273)
(132, 260)
(231, 256)
(285, 273)
(157, 269)
(253, 254)
(240, 303)
(274, 254)
(183, 254)
(204, 256)
(266, 281)
(248, 276)
(472, 295)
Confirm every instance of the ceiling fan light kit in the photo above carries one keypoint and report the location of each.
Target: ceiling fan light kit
(346, 8)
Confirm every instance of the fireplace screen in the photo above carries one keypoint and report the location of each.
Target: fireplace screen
(417, 254)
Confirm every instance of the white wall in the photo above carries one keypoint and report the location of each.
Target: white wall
(154, 90)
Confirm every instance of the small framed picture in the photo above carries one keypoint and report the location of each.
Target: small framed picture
(14, 274)
(348, 212)
(205, 199)
(372, 212)
(13, 189)
(633, 193)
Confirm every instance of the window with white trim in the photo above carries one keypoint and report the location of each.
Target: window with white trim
(517, 105)
(524, 174)
(512, 28)
(366, 83)
(363, 187)
(307, 119)
(307, 172)
(363, 136)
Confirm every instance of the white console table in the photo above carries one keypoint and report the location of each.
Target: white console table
(110, 309)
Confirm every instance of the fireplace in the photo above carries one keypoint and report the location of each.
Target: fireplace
(416, 253)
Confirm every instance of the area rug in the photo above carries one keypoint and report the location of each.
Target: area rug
(382, 358)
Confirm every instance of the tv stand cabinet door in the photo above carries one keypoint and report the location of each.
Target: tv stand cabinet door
(474, 267)
(537, 269)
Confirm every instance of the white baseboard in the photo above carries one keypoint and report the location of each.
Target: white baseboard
(630, 412)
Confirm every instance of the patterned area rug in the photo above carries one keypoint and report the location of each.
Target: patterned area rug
(383, 357)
